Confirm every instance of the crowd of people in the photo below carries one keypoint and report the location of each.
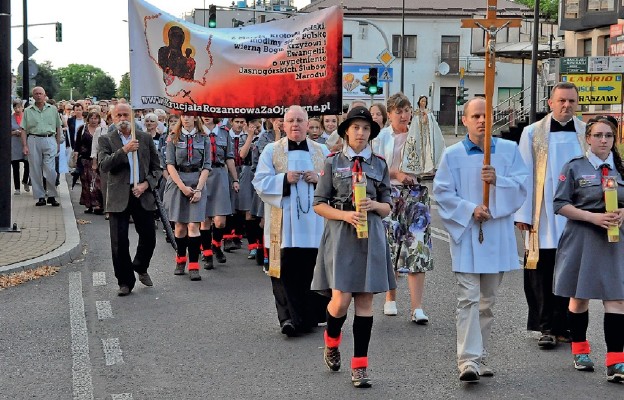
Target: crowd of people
(288, 185)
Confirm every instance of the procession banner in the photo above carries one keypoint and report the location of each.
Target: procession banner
(256, 70)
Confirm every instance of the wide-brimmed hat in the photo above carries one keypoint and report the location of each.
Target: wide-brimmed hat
(359, 113)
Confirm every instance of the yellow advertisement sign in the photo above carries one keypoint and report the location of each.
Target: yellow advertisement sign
(597, 88)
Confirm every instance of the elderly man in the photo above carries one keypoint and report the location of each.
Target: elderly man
(125, 199)
(479, 260)
(285, 178)
(41, 138)
(545, 147)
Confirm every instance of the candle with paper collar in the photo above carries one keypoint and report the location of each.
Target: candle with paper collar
(609, 185)
(359, 191)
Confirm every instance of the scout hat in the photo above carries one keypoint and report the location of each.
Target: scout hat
(359, 113)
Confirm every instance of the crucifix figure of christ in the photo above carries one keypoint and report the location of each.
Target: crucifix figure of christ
(491, 25)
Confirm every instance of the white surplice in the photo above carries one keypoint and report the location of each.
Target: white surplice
(562, 147)
(299, 229)
(458, 189)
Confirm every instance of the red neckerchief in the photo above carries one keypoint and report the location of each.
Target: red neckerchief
(189, 148)
(356, 176)
(213, 147)
(237, 158)
(605, 172)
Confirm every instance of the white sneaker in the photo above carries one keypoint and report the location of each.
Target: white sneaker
(419, 317)
(485, 370)
(390, 308)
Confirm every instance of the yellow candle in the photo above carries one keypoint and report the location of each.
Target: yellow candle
(359, 190)
(611, 203)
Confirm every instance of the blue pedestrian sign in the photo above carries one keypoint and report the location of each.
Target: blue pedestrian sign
(385, 75)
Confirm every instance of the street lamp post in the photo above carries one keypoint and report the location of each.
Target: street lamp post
(402, 50)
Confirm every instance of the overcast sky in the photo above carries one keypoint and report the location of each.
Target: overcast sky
(94, 31)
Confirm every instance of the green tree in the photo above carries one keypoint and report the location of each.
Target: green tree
(78, 76)
(47, 79)
(124, 86)
(548, 8)
(101, 86)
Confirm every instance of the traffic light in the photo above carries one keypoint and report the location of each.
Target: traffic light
(212, 16)
(370, 86)
(59, 32)
(462, 95)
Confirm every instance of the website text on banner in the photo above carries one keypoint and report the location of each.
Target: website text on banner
(255, 70)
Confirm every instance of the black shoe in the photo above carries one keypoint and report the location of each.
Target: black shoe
(208, 263)
(41, 202)
(219, 254)
(145, 279)
(179, 269)
(238, 244)
(469, 374)
(52, 201)
(331, 355)
(288, 328)
(547, 341)
(88, 211)
(194, 275)
(615, 373)
(123, 291)
(228, 245)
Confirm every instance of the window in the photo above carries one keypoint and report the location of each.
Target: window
(409, 48)
(600, 5)
(587, 47)
(450, 52)
(605, 45)
(571, 8)
(346, 46)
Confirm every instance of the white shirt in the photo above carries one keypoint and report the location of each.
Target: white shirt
(130, 154)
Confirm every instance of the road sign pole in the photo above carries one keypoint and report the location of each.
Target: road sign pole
(25, 88)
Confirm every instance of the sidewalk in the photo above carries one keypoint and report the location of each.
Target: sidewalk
(47, 235)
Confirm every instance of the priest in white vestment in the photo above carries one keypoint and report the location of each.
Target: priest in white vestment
(546, 146)
(479, 266)
(285, 180)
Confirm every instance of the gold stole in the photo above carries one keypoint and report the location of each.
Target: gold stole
(540, 162)
(280, 164)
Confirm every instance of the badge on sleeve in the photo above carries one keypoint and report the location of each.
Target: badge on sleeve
(322, 173)
(562, 178)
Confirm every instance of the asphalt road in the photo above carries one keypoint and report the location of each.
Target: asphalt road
(70, 336)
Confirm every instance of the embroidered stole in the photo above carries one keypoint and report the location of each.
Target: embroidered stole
(280, 163)
(540, 162)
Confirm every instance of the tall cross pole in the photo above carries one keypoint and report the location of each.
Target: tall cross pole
(491, 25)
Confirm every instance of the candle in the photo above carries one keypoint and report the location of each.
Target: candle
(359, 190)
(609, 185)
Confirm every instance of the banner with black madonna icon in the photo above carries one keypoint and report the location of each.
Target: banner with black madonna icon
(254, 70)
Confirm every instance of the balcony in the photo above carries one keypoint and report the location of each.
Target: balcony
(473, 66)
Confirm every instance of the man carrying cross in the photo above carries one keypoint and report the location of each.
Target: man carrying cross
(479, 266)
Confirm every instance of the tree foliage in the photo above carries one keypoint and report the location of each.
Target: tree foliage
(47, 79)
(77, 76)
(124, 86)
(101, 86)
(548, 8)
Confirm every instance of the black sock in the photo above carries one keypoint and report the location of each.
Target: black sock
(239, 223)
(193, 248)
(217, 234)
(613, 328)
(578, 323)
(206, 238)
(251, 231)
(182, 244)
(362, 327)
(334, 325)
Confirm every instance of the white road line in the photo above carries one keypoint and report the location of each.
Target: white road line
(81, 362)
(112, 351)
(122, 396)
(104, 310)
(99, 279)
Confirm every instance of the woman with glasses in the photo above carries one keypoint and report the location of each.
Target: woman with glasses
(588, 264)
(408, 226)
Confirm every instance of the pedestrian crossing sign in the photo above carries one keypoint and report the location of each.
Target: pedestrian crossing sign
(385, 75)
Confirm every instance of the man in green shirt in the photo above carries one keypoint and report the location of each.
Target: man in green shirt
(41, 140)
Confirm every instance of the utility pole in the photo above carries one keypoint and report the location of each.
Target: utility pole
(402, 50)
(25, 71)
(536, 21)
(5, 122)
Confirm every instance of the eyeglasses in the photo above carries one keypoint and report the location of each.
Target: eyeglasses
(293, 120)
(603, 135)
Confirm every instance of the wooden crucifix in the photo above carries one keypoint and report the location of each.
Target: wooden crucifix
(491, 25)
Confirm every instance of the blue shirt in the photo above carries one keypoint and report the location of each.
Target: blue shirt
(136, 153)
(472, 149)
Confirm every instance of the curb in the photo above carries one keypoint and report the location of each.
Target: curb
(69, 251)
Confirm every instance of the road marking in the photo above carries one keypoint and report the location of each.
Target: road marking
(122, 396)
(112, 351)
(99, 279)
(81, 362)
(104, 310)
